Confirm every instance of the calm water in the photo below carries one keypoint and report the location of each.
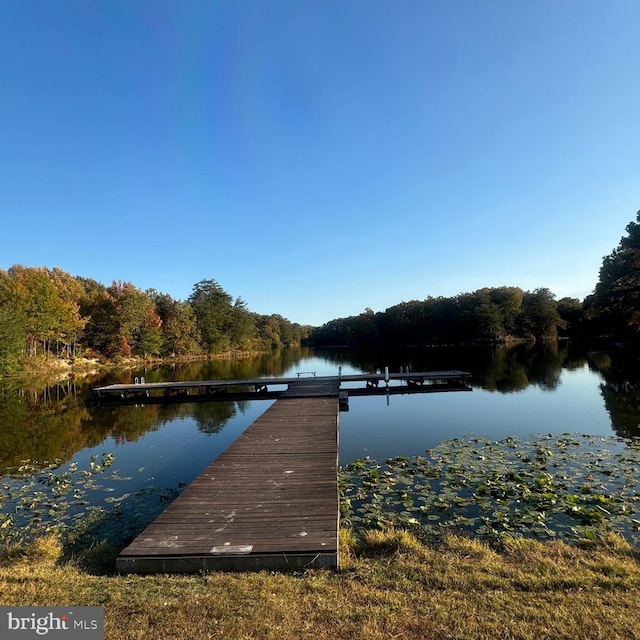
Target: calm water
(518, 391)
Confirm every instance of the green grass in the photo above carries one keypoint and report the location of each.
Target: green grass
(478, 540)
(390, 585)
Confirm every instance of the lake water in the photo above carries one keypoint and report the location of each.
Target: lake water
(516, 392)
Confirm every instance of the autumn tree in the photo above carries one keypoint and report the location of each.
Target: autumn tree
(123, 321)
(72, 322)
(97, 305)
(34, 296)
(136, 322)
(13, 339)
(46, 311)
(269, 331)
(150, 339)
(180, 329)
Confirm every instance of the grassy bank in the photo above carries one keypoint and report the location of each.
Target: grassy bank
(391, 586)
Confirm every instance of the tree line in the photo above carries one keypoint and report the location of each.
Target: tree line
(50, 312)
(502, 314)
(488, 315)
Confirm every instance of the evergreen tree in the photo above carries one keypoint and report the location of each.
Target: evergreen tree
(243, 329)
(214, 312)
(614, 306)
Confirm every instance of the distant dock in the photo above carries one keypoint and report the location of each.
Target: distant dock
(142, 392)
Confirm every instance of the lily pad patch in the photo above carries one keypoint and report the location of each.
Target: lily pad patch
(551, 486)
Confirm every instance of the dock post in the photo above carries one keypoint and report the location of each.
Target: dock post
(386, 375)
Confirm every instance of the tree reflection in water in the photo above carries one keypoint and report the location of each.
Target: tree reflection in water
(46, 422)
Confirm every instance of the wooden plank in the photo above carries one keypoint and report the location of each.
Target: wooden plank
(269, 501)
(296, 386)
(267, 388)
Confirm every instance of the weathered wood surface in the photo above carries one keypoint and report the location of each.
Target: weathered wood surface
(205, 390)
(312, 388)
(270, 501)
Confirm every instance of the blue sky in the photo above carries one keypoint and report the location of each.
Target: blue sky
(317, 158)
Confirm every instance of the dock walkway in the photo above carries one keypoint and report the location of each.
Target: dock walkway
(270, 501)
(142, 392)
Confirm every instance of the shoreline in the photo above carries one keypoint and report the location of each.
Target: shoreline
(60, 369)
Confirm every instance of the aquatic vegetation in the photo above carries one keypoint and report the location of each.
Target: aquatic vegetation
(554, 486)
(76, 503)
(42, 499)
(571, 487)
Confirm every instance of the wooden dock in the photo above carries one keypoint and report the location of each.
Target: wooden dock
(270, 501)
(142, 392)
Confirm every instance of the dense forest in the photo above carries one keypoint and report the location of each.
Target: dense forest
(46, 312)
(489, 314)
(502, 314)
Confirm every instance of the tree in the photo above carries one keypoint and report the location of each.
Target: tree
(614, 305)
(150, 339)
(136, 319)
(489, 321)
(122, 318)
(509, 302)
(180, 330)
(13, 339)
(540, 317)
(269, 327)
(243, 326)
(163, 302)
(100, 331)
(34, 296)
(72, 322)
(287, 337)
(363, 329)
(498, 312)
(49, 311)
(570, 310)
(213, 311)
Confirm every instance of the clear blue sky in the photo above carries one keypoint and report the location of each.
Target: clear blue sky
(317, 158)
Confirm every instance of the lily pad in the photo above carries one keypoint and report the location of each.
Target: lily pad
(545, 487)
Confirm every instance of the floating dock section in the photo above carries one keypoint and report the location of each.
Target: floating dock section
(142, 392)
